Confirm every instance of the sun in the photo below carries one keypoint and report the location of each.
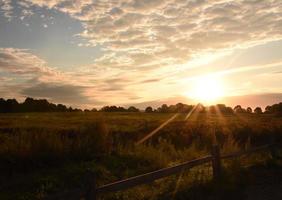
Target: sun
(206, 89)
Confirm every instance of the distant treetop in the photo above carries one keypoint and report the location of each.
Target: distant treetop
(42, 105)
(32, 105)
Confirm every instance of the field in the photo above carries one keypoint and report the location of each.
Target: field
(46, 153)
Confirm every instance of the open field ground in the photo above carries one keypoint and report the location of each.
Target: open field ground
(45, 153)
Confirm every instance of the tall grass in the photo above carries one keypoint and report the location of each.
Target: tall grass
(51, 151)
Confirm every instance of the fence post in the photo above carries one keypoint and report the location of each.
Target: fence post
(90, 186)
(216, 164)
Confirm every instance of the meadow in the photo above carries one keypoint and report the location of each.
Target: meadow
(46, 153)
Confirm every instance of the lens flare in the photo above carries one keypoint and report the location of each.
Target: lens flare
(207, 89)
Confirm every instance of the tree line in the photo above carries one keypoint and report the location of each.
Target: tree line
(32, 105)
(42, 105)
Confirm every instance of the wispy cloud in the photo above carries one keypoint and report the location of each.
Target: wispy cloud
(239, 70)
(151, 42)
(70, 94)
(21, 61)
(28, 75)
(137, 34)
(7, 8)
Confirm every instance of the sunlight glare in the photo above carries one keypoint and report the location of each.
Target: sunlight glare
(207, 89)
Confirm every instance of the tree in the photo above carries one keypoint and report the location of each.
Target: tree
(94, 110)
(187, 108)
(12, 105)
(163, 108)
(239, 109)
(132, 109)
(212, 109)
(179, 107)
(172, 108)
(275, 108)
(249, 110)
(31, 105)
(149, 109)
(61, 108)
(2, 105)
(258, 110)
(113, 109)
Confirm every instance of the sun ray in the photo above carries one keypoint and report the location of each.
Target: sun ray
(191, 112)
(211, 124)
(194, 116)
(220, 115)
(157, 129)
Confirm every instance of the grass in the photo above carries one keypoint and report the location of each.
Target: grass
(43, 153)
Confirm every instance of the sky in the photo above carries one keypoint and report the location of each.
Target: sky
(91, 53)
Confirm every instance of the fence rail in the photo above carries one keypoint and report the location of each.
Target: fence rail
(91, 191)
(152, 176)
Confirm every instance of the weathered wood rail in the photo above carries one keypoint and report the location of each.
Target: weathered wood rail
(91, 190)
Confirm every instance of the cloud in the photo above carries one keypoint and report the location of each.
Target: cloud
(151, 38)
(172, 32)
(21, 61)
(7, 8)
(138, 34)
(247, 68)
(70, 94)
(150, 80)
(24, 74)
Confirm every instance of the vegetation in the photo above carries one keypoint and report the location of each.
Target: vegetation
(45, 153)
(42, 105)
(31, 105)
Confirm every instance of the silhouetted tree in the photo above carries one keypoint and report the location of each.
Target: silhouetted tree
(186, 108)
(149, 109)
(224, 109)
(221, 108)
(112, 109)
(275, 108)
(31, 105)
(42, 105)
(239, 109)
(249, 110)
(212, 109)
(258, 110)
(11, 105)
(61, 108)
(172, 108)
(105, 109)
(2, 106)
(179, 107)
(163, 108)
(132, 109)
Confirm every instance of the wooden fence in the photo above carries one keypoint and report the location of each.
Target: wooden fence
(91, 190)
